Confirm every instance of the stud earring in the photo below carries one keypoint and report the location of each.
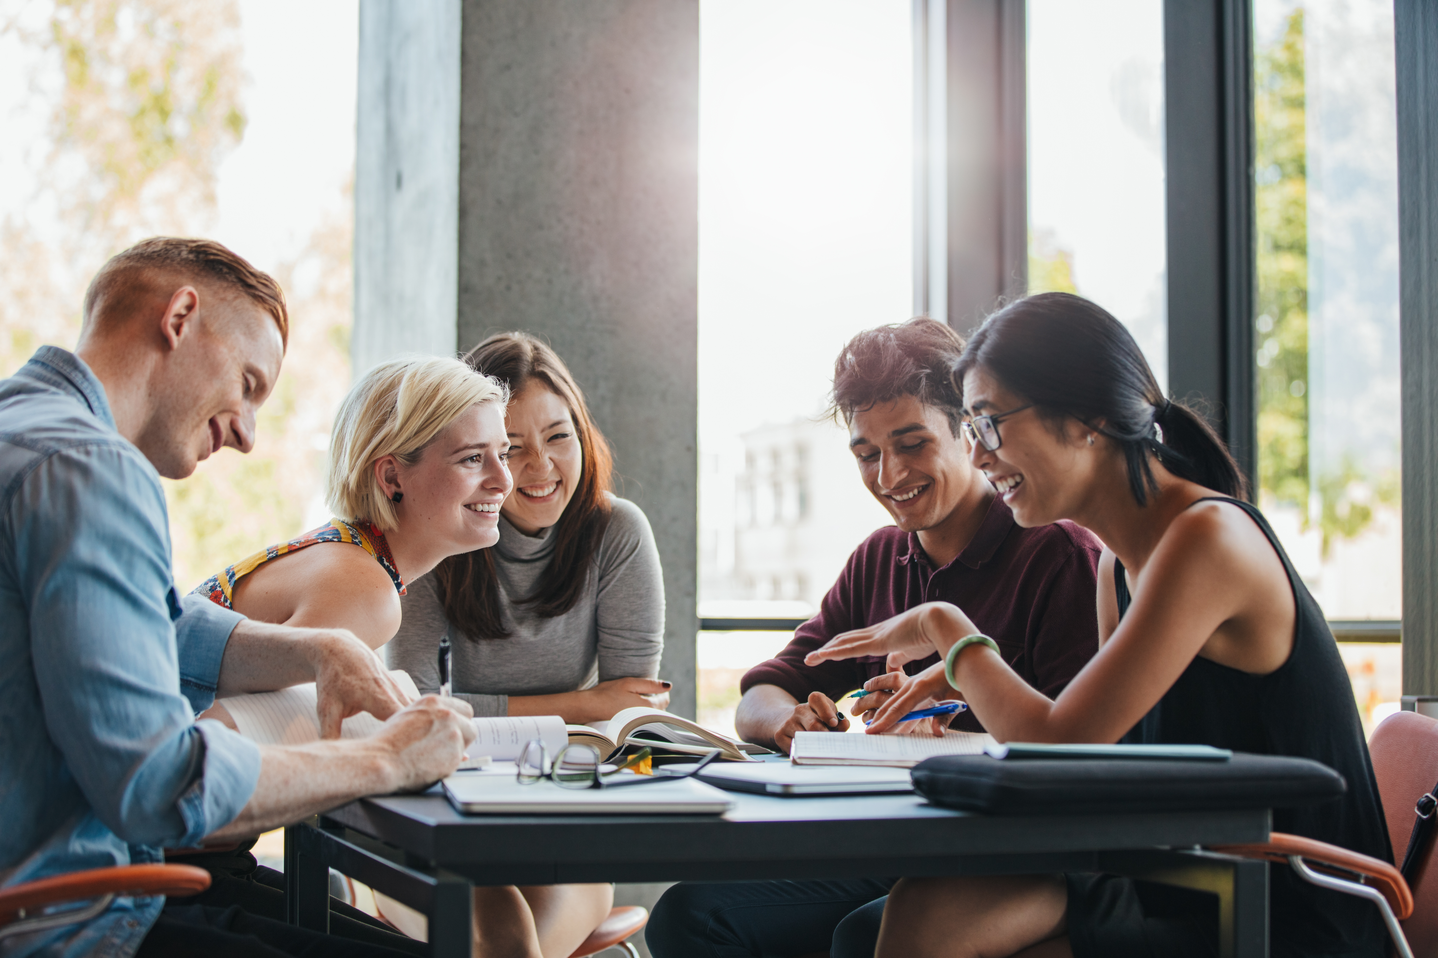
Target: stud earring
(1090, 439)
(399, 496)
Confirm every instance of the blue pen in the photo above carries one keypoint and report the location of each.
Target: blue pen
(945, 708)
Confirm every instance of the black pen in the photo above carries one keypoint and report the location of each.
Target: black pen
(444, 665)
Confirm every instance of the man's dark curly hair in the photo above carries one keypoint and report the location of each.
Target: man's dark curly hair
(915, 358)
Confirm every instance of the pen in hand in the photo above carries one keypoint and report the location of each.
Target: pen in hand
(947, 707)
(444, 663)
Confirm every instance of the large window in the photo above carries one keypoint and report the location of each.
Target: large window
(1326, 333)
(1096, 160)
(232, 119)
(805, 180)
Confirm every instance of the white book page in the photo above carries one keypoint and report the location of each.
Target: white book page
(665, 724)
(504, 737)
(844, 749)
(289, 717)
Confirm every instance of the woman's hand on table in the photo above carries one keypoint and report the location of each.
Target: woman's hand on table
(600, 703)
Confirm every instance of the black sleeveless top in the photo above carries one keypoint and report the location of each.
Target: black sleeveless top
(1303, 708)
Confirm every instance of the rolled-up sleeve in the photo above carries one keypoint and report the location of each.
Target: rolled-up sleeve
(202, 632)
(93, 559)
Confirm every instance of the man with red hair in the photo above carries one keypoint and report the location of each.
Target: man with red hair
(107, 666)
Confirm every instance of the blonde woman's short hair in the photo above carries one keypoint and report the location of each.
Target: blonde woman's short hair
(396, 409)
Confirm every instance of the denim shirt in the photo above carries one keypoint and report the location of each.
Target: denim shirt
(102, 665)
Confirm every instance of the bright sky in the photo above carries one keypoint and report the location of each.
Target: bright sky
(804, 198)
(298, 154)
(1096, 169)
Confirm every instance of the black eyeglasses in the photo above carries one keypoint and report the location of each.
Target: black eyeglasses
(577, 766)
(985, 429)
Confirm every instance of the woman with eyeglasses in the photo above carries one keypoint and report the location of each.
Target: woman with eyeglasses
(1207, 635)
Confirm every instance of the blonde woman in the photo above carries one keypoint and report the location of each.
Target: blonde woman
(417, 473)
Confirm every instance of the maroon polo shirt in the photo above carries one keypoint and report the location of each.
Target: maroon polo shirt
(1032, 590)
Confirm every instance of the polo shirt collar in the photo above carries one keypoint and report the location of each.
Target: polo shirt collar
(68, 373)
(986, 542)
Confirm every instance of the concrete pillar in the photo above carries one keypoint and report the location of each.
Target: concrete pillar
(406, 247)
(571, 211)
(1416, 46)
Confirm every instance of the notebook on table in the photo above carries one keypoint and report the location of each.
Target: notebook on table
(496, 795)
(855, 749)
(786, 779)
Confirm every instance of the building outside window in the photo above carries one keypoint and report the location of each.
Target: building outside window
(805, 180)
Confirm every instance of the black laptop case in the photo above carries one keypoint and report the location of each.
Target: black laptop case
(1032, 787)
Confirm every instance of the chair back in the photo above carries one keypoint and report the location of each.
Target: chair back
(1404, 748)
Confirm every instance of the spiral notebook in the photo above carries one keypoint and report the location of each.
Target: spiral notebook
(855, 749)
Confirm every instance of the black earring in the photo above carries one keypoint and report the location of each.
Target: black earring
(396, 497)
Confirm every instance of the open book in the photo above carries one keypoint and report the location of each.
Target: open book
(642, 726)
(857, 749)
(290, 716)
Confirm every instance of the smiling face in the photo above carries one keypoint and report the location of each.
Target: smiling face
(913, 464)
(453, 491)
(545, 457)
(1042, 475)
(214, 380)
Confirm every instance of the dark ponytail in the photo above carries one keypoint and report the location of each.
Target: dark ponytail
(1070, 357)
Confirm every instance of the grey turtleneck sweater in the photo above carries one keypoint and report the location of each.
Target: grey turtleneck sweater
(614, 631)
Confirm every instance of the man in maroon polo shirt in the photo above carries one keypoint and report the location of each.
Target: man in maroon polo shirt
(1032, 590)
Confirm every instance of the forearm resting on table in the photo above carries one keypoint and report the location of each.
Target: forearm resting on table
(568, 705)
(299, 781)
(597, 703)
(761, 713)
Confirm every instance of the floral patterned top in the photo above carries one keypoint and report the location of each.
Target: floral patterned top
(221, 587)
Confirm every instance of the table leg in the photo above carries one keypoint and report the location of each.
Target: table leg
(450, 923)
(1249, 926)
(307, 880)
(1241, 886)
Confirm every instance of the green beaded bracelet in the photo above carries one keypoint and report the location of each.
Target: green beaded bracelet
(958, 648)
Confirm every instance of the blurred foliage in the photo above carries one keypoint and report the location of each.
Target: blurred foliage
(142, 101)
(1281, 200)
(149, 106)
(1051, 267)
(1346, 494)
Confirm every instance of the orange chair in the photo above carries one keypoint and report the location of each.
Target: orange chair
(1404, 748)
(621, 923)
(22, 907)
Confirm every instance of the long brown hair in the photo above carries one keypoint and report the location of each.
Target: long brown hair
(468, 584)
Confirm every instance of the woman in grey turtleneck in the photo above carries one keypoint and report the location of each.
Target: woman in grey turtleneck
(565, 616)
